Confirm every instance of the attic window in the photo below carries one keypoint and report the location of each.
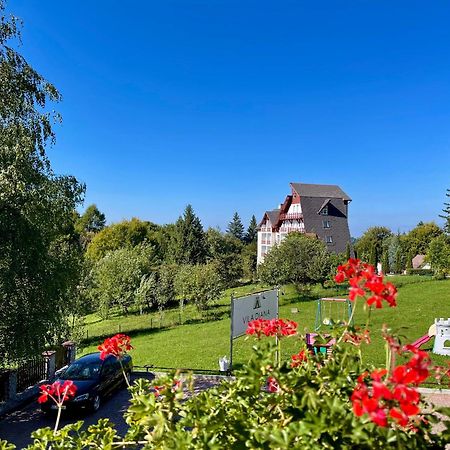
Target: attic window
(329, 239)
(326, 224)
(324, 211)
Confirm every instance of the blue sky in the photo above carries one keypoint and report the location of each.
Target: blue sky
(222, 103)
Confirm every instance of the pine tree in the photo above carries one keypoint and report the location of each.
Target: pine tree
(235, 227)
(189, 246)
(252, 231)
(446, 215)
(374, 255)
(398, 261)
(385, 262)
(348, 252)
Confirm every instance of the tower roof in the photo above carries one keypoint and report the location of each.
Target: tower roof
(326, 191)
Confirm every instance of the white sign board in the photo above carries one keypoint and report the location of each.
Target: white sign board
(263, 305)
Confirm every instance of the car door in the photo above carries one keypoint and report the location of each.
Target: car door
(108, 375)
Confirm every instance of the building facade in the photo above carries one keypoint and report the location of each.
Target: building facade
(315, 209)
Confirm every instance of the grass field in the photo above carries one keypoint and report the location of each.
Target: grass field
(199, 345)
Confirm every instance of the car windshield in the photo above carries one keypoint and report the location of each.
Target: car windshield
(82, 370)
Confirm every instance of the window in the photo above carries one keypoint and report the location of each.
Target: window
(326, 224)
(329, 239)
(324, 211)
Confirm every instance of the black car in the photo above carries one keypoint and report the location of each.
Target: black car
(94, 379)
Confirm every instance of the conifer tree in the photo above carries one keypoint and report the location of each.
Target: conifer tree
(252, 231)
(189, 246)
(348, 251)
(385, 262)
(446, 215)
(235, 227)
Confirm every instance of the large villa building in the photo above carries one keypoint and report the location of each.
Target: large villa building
(319, 210)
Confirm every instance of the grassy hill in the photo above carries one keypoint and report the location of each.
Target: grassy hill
(197, 344)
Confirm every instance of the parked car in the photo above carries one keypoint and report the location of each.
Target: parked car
(94, 379)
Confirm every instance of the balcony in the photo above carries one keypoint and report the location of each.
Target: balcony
(291, 216)
(291, 229)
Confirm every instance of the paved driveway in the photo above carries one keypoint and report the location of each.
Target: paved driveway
(17, 427)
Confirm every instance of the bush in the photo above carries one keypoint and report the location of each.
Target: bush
(412, 271)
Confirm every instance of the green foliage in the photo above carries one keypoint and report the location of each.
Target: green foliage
(39, 253)
(439, 254)
(249, 258)
(145, 296)
(188, 243)
(385, 263)
(299, 259)
(446, 215)
(348, 251)
(421, 272)
(370, 245)
(252, 231)
(165, 286)
(310, 410)
(418, 240)
(225, 253)
(199, 284)
(117, 277)
(236, 228)
(125, 234)
(91, 221)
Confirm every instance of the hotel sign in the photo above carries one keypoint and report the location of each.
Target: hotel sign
(263, 305)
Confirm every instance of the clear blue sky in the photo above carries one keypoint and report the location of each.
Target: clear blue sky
(222, 103)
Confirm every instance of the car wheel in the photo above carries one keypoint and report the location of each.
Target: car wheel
(95, 406)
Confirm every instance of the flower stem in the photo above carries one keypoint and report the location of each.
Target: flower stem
(58, 417)
(124, 374)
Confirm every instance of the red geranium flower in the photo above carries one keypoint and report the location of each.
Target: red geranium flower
(299, 358)
(272, 327)
(58, 392)
(272, 384)
(118, 346)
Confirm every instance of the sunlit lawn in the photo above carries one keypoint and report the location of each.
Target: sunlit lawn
(199, 345)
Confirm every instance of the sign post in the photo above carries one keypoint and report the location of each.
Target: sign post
(261, 305)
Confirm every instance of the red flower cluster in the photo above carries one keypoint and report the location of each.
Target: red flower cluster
(300, 358)
(395, 398)
(118, 346)
(272, 384)
(364, 281)
(58, 392)
(356, 337)
(272, 327)
(158, 390)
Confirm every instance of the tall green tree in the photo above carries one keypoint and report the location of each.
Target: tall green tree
(39, 257)
(125, 234)
(236, 228)
(252, 231)
(446, 215)
(188, 244)
(369, 246)
(299, 259)
(439, 255)
(418, 240)
(118, 278)
(91, 221)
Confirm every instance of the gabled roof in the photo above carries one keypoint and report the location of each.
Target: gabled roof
(327, 191)
(272, 215)
(325, 203)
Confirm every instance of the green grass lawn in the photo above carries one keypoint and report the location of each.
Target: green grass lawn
(199, 345)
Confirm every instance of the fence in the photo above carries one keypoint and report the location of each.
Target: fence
(20, 380)
(29, 372)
